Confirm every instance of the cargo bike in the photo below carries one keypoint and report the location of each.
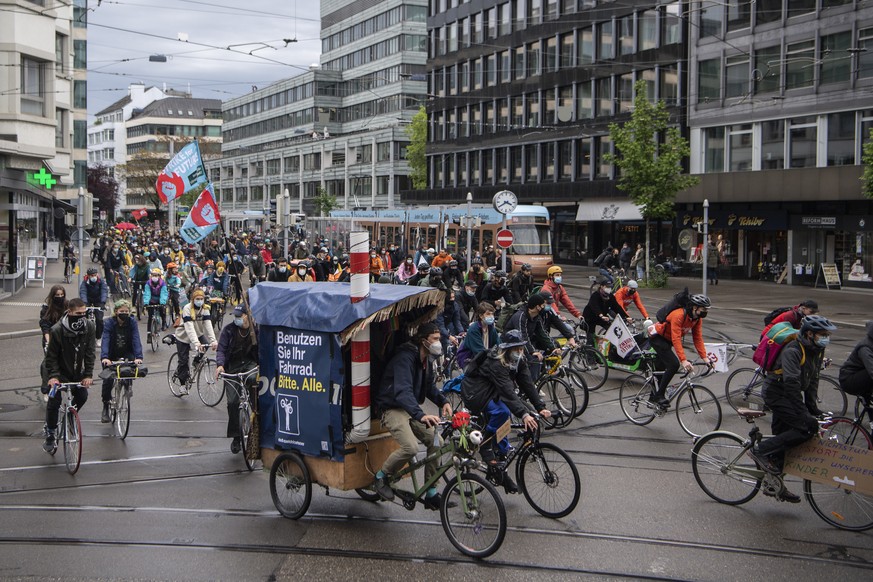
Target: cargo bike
(319, 353)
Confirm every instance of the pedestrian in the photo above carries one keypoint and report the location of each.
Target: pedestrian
(638, 262)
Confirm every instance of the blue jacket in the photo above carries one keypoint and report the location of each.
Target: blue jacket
(474, 341)
(111, 329)
(147, 293)
(93, 293)
(218, 283)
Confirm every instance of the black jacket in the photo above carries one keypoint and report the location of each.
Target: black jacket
(491, 293)
(70, 354)
(598, 305)
(406, 383)
(533, 331)
(520, 287)
(491, 380)
(861, 358)
(797, 383)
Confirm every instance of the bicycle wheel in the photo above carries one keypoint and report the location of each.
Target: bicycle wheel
(698, 410)
(72, 441)
(121, 412)
(742, 389)
(591, 364)
(245, 433)
(155, 333)
(476, 525)
(177, 388)
(723, 469)
(549, 480)
(580, 387)
(831, 397)
(208, 389)
(634, 399)
(290, 485)
(842, 508)
(368, 495)
(559, 397)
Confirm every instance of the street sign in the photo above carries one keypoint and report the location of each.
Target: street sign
(504, 238)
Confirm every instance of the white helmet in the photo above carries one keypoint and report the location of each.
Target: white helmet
(632, 284)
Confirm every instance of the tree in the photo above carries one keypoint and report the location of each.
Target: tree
(651, 168)
(867, 162)
(324, 202)
(103, 186)
(415, 152)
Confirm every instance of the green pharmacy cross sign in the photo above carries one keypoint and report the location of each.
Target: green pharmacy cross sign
(44, 179)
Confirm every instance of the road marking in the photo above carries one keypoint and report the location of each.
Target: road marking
(848, 323)
(20, 304)
(114, 461)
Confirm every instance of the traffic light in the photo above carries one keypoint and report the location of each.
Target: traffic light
(277, 210)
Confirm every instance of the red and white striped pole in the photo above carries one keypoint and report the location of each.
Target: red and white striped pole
(359, 263)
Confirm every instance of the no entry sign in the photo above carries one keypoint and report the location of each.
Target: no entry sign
(504, 238)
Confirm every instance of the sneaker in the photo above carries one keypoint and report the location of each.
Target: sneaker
(235, 445)
(383, 489)
(149, 338)
(509, 485)
(105, 418)
(433, 502)
(764, 462)
(99, 343)
(50, 445)
(788, 497)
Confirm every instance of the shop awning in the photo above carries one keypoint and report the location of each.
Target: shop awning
(595, 210)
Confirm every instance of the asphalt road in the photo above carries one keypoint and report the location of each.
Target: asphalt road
(171, 502)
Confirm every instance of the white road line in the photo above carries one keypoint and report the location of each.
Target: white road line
(114, 461)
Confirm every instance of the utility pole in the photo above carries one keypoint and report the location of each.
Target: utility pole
(705, 241)
(469, 228)
(80, 222)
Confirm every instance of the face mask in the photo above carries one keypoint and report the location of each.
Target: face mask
(77, 322)
(558, 280)
(822, 341)
(58, 300)
(301, 272)
(435, 349)
(604, 292)
(548, 308)
(514, 356)
(114, 248)
(372, 256)
(198, 303)
(220, 271)
(408, 261)
(489, 320)
(92, 279)
(238, 321)
(470, 293)
(702, 314)
(282, 269)
(122, 317)
(155, 279)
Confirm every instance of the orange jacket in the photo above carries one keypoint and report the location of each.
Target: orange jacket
(674, 329)
(561, 297)
(376, 266)
(624, 299)
(440, 261)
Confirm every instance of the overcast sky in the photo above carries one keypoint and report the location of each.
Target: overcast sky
(122, 34)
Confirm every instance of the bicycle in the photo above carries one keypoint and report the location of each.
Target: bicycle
(137, 291)
(618, 278)
(120, 284)
(472, 513)
(697, 409)
(543, 464)
(69, 267)
(202, 372)
(726, 472)
(216, 310)
(154, 328)
(69, 427)
(122, 392)
(744, 389)
(585, 359)
(553, 366)
(241, 383)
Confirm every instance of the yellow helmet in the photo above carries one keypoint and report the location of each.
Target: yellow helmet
(555, 270)
(156, 272)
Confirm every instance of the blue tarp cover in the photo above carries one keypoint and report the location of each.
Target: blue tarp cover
(321, 306)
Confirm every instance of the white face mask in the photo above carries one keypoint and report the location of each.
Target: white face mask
(435, 349)
(301, 272)
(92, 279)
(198, 303)
(155, 279)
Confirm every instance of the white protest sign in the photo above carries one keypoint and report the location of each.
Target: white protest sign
(717, 354)
(620, 336)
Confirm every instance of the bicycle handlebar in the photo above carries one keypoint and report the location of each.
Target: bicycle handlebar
(241, 375)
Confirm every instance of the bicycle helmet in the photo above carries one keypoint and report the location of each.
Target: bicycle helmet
(453, 263)
(526, 267)
(816, 324)
(511, 339)
(602, 281)
(157, 272)
(554, 271)
(172, 265)
(92, 270)
(209, 264)
(500, 274)
(699, 300)
(633, 284)
(476, 261)
(436, 272)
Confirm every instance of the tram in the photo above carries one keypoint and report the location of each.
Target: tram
(444, 227)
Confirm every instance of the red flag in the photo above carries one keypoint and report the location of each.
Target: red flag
(139, 214)
(205, 210)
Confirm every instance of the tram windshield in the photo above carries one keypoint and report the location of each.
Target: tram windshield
(531, 239)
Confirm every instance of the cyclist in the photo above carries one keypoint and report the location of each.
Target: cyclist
(795, 315)
(301, 273)
(70, 259)
(481, 335)
(139, 275)
(521, 284)
(629, 294)
(407, 380)
(491, 384)
(600, 305)
(93, 292)
(120, 342)
(668, 336)
(551, 320)
(791, 394)
(448, 320)
(406, 270)
(421, 273)
(856, 375)
(531, 325)
(113, 264)
(196, 330)
(219, 280)
(610, 261)
(468, 302)
(257, 269)
(452, 276)
(51, 312)
(280, 273)
(69, 357)
(155, 292)
(496, 292)
(237, 352)
(553, 284)
(235, 270)
(375, 265)
(174, 286)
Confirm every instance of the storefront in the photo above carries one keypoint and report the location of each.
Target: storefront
(841, 239)
(752, 244)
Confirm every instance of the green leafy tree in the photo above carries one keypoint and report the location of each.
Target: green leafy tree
(651, 168)
(867, 162)
(324, 202)
(415, 152)
(103, 186)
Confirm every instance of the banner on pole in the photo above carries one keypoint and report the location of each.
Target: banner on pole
(203, 218)
(184, 172)
(620, 336)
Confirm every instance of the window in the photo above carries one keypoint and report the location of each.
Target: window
(520, 15)
(767, 76)
(651, 79)
(551, 9)
(515, 159)
(736, 76)
(80, 13)
(533, 166)
(565, 103)
(626, 34)
(713, 159)
(773, 145)
(739, 14)
(768, 11)
(453, 37)
(502, 166)
(464, 41)
(586, 46)
(710, 19)
(584, 104)
(491, 70)
(802, 142)
(800, 7)
(464, 74)
(841, 139)
(647, 25)
(32, 86)
(80, 134)
(60, 50)
(708, 80)
(519, 63)
(603, 146)
(567, 51)
(383, 151)
(799, 61)
(625, 93)
(565, 160)
(478, 29)
(517, 112)
(80, 173)
(487, 167)
(534, 59)
(80, 94)
(604, 97)
(583, 159)
(505, 18)
(672, 24)
(60, 128)
(489, 118)
(740, 147)
(605, 42)
(865, 58)
(535, 12)
(477, 74)
(551, 60)
(836, 60)
(492, 22)
(549, 106)
(533, 109)
(505, 67)
(80, 54)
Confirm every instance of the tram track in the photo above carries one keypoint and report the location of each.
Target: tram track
(820, 552)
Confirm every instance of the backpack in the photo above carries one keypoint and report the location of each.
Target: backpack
(768, 319)
(771, 345)
(599, 260)
(680, 300)
(506, 314)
